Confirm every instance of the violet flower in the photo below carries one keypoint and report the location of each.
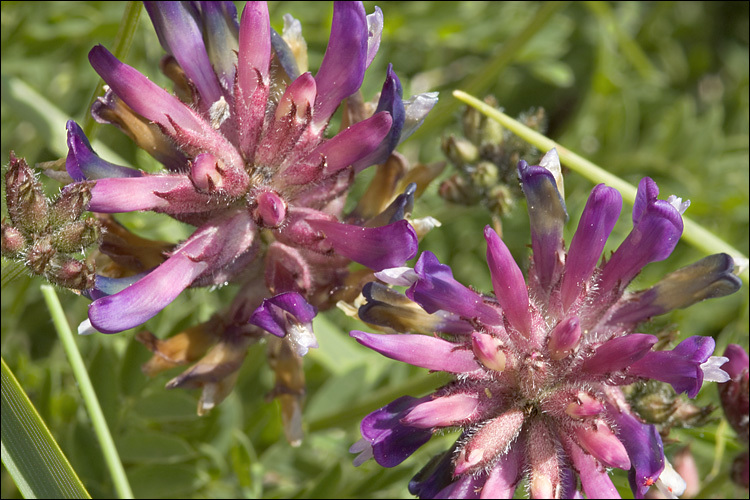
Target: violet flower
(538, 365)
(249, 164)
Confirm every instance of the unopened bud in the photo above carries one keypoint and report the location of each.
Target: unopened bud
(27, 205)
(71, 203)
(77, 235)
(40, 255)
(460, 151)
(270, 209)
(485, 174)
(71, 273)
(13, 241)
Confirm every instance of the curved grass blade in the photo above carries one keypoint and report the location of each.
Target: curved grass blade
(93, 407)
(29, 452)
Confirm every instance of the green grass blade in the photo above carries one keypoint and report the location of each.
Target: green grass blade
(693, 233)
(93, 407)
(29, 452)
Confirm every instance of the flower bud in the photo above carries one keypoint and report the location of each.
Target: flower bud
(27, 205)
(13, 241)
(71, 203)
(270, 209)
(71, 273)
(77, 235)
(460, 151)
(40, 255)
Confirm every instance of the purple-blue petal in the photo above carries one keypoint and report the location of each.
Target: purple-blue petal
(656, 231)
(343, 68)
(619, 353)
(436, 290)
(547, 216)
(221, 34)
(104, 286)
(83, 164)
(284, 55)
(597, 220)
(680, 367)
(393, 442)
(179, 33)
(391, 101)
(273, 315)
(645, 450)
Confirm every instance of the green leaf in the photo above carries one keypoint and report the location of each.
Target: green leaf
(29, 452)
(153, 447)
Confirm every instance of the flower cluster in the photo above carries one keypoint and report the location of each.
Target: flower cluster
(247, 162)
(539, 366)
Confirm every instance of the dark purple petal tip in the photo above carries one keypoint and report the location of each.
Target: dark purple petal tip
(82, 163)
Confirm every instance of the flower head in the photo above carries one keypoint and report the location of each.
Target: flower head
(249, 162)
(246, 158)
(538, 366)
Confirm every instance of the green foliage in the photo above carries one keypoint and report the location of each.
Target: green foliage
(658, 89)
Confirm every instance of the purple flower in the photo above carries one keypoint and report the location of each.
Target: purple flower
(249, 164)
(245, 154)
(539, 364)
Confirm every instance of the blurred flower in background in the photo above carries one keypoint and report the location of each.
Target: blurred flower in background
(735, 395)
(538, 366)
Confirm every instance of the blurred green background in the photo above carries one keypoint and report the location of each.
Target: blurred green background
(640, 88)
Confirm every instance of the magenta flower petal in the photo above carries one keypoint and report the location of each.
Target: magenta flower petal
(144, 299)
(734, 393)
(254, 46)
(344, 63)
(420, 350)
(375, 247)
(547, 215)
(443, 411)
(737, 366)
(436, 290)
(180, 35)
(619, 353)
(145, 97)
(594, 478)
(600, 441)
(122, 194)
(508, 283)
(83, 164)
(597, 221)
(504, 476)
(350, 145)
